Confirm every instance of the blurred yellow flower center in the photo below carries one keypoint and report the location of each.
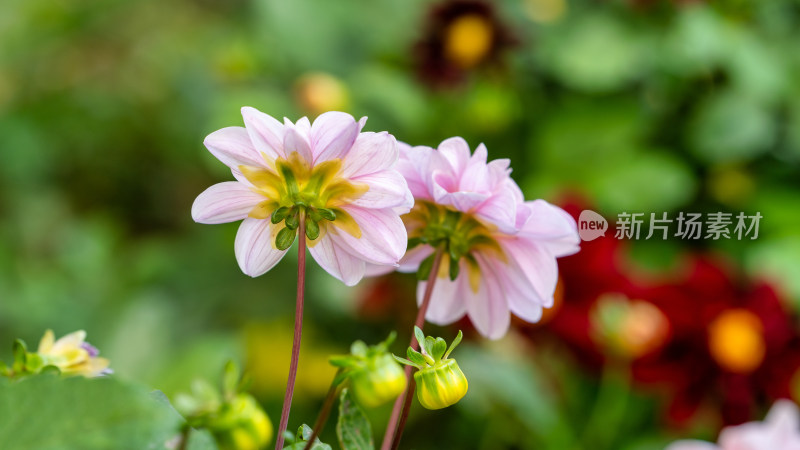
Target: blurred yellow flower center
(468, 40)
(294, 182)
(736, 341)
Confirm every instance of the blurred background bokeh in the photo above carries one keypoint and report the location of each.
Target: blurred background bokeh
(617, 106)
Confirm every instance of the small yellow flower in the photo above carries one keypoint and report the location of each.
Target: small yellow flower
(72, 355)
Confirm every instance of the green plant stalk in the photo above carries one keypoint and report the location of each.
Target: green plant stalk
(325, 412)
(394, 429)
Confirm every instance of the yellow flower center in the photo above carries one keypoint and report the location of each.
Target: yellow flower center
(293, 182)
(468, 40)
(736, 341)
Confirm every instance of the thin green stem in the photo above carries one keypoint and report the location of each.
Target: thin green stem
(298, 330)
(325, 412)
(391, 439)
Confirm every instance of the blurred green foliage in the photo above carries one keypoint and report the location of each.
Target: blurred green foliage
(638, 107)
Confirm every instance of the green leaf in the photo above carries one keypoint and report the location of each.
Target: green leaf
(353, 428)
(4, 370)
(285, 238)
(455, 343)
(50, 412)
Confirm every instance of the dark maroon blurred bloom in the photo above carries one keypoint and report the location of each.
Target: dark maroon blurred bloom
(732, 345)
(459, 36)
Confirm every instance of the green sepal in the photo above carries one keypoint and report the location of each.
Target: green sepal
(415, 357)
(343, 361)
(285, 238)
(413, 242)
(438, 349)
(20, 351)
(425, 267)
(312, 229)
(454, 268)
(279, 214)
(327, 214)
(405, 362)
(293, 219)
(429, 341)
(50, 370)
(359, 348)
(33, 362)
(4, 370)
(455, 343)
(230, 380)
(420, 336)
(388, 341)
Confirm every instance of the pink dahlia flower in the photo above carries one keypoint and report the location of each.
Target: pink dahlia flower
(505, 248)
(341, 180)
(779, 431)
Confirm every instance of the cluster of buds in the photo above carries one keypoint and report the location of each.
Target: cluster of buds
(69, 355)
(233, 417)
(375, 378)
(440, 382)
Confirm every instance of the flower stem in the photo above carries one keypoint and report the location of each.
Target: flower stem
(184, 444)
(391, 439)
(325, 411)
(298, 330)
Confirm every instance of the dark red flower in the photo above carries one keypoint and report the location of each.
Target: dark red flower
(460, 35)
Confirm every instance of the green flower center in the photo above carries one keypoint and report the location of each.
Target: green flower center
(460, 234)
(295, 190)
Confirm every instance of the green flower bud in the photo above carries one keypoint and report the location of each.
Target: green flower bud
(375, 377)
(440, 386)
(440, 382)
(241, 425)
(380, 380)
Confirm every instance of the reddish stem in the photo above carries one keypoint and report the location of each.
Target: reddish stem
(391, 439)
(298, 331)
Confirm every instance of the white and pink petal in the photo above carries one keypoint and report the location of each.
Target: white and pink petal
(265, 132)
(233, 147)
(337, 261)
(383, 236)
(255, 246)
(225, 202)
(332, 135)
